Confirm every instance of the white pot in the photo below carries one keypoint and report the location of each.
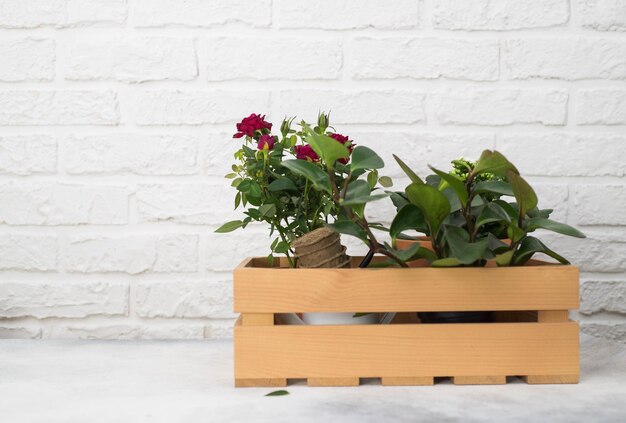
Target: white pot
(338, 319)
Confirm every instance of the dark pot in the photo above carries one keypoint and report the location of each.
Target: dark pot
(456, 317)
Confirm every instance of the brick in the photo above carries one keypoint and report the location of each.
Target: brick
(140, 154)
(132, 59)
(603, 296)
(591, 204)
(552, 196)
(501, 15)
(27, 154)
(131, 254)
(371, 106)
(501, 107)
(185, 203)
(425, 58)
(223, 252)
(595, 253)
(67, 107)
(61, 13)
(29, 203)
(602, 15)
(68, 299)
(601, 107)
(276, 57)
(217, 152)
(347, 14)
(184, 299)
(197, 107)
(201, 13)
(27, 59)
(564, 58)
(612, 331)
(557, 154)
(28, 252)
(126, 331)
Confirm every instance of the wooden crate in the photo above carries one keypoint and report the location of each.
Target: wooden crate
(531, 338)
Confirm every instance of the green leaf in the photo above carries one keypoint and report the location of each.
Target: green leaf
(398, 199)
(490, 213)
(330, 150)
(433, 204)
(531, 245)
(524, 194)
(413, 252)
(267, 210)
(372, 179)
(505, 258)
(365, 158)
(255, 190)
(455, 183)
(230, 176)
(493, 187)
(407, 170)
(362, 200)
(237, 200)
(282, 184)
(281, 248)
(230, 226)
(461, 249)
(244, 186)
(312, 172)
(493, 162)
(515, 233)
(348, 227)
(278, 393)
(385, 181)
(446, 262)
(409, 217)
(544, 213)
(561, 228)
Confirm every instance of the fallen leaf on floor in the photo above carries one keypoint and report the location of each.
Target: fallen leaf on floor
(277, 393)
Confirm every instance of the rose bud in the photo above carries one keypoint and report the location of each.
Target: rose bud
(266, 141)
(250, 125)
(323, 120)
(305, 152)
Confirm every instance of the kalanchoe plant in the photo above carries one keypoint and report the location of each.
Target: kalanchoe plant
(464, 214)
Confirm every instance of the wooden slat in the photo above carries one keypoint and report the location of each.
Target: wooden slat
(407, 381)
(333, 381)
(479, 380)
(283, 290)
(259, 383)
(542, 379)
(371, 351)
(257, 319)
(552, 316)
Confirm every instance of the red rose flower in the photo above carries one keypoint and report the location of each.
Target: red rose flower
(305, 152)
(252, 123)
(268, 140)
(343, 140)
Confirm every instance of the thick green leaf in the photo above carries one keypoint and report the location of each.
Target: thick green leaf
(455, 183)
(328, 149)
(365, 199)
(312, 172)
(524, 194)
(561, 228)
(407, 170)
(490, 213)
(543, 213)
(446, 262)
(531, 245)
(230, 226)
(409, 217)
(365, 158)
(282, 184)
(493, 162)
(414, 252)
(493, 187)
(385, 181)
(505, 258)
(515, 233)
(398, 199)
(348, 227)
(461, 249)
(433, 204)
(278, 393)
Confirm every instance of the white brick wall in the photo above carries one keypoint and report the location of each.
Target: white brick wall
(116, 118)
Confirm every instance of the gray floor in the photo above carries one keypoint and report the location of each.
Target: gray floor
(122, 381)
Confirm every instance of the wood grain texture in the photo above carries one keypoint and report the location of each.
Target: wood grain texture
(412, 350)
(258, 383)
(257, 319)
(479, 380)
(284, 290)
(552, 316)
(543, 379)
(407, 381)
(333, 381)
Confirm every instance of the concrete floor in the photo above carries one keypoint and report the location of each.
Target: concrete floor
(165, 381)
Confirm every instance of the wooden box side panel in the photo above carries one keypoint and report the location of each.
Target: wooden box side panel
(410, 350)
(280, 290)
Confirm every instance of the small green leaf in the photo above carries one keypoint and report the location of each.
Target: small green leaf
(455, 183)
(230, 226)
(490, 213)
(365, 158)
(278, 393)
(348, 227)
(282, 184)
(493, 162)
(281, 248)
(409, 217)
(237, 200)
(464, 251)
(551, 225)
(446, 262)
(312, 172)
(236, 182)
(372, 179)
(267, 210)
(524, 194)
(230, 176)
(385, 181)
(433, 204)
(255, 190)
(407, 170)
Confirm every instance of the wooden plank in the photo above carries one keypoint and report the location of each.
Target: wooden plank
(479, 380)
(407, 381)
(543, 379)
(552, 316)
(372, 351)
(274, 290)
(259, 383)
(333, 381)
(257, 319)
